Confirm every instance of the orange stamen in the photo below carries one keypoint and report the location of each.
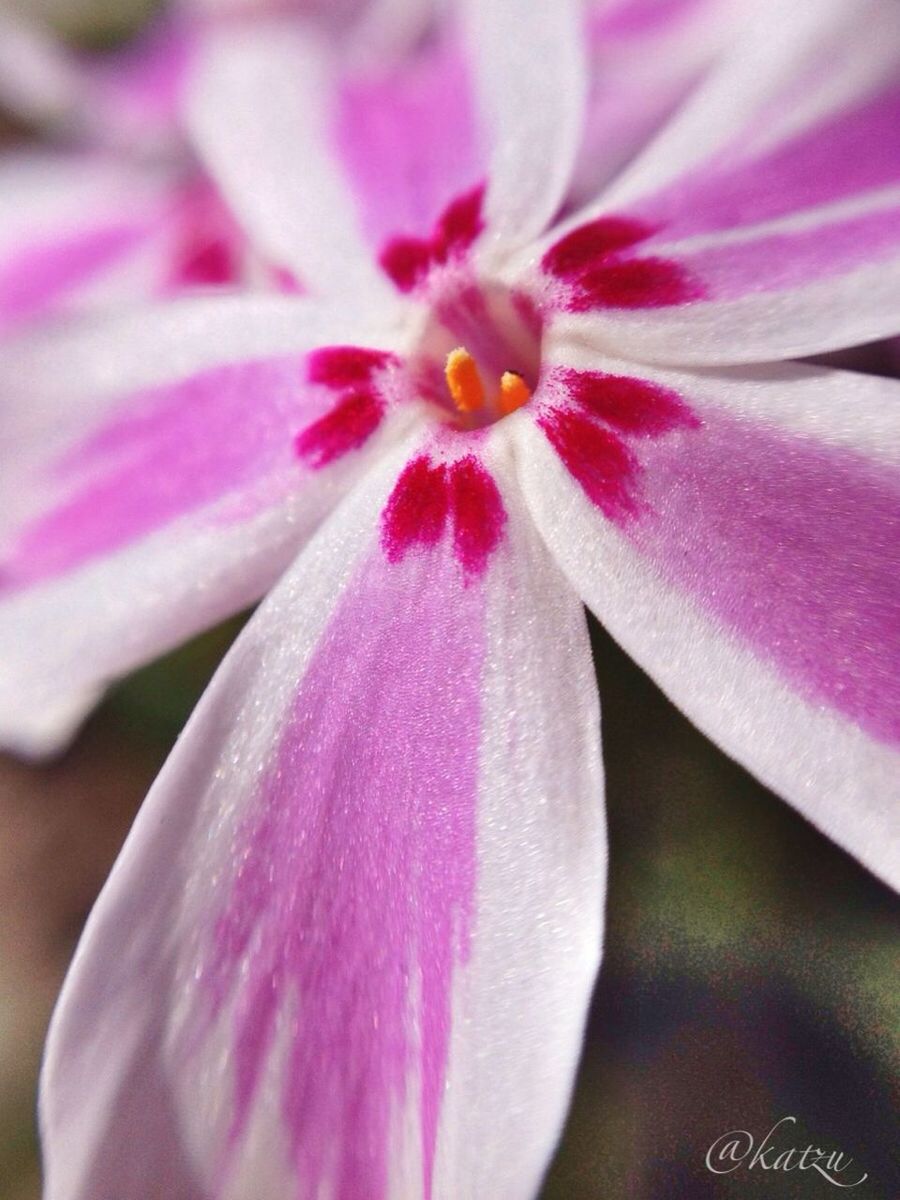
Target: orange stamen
(514, 392)
(464, 381)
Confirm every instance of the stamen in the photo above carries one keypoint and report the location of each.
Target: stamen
(514, 392)
(464, 381)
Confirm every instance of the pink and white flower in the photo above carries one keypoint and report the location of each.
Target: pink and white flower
(120, 211)
(114, 209)
(348, 946)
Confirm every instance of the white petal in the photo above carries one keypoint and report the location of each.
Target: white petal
(148, 493)
(767, 218)
(259, 114)
(754, 84)
(749, 570)
(532, 78)
(398, 972)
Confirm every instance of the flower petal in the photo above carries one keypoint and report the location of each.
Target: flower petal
(531, 76)
(259, 113)
(644, 60)
(76, 229)
(786, 241)
(408, 138)
(745, 556)
(827, 53)
(352, 935)
(150, 493)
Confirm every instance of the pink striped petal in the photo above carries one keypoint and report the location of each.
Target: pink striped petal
(176, 501)
(338, 876)
(81, 232)
(752, 572)
(75, 228)
(531, 78)
(645, 58)
(842, 155)
(785, 240)
(830, 57)
(260, 112)
(409, 140)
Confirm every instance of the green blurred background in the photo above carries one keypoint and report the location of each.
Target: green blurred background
(750, 970)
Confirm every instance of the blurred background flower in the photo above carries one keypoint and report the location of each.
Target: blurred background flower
(750, 969)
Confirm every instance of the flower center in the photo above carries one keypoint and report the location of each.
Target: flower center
(468, 391)
(478, 358)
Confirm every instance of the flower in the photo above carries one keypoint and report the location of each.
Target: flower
(348, 946)
(118, 210)
(122, 212)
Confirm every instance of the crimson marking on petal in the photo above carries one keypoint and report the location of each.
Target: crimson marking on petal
(634, 406)
(416, 511)
(285, 281)
(209, 246)
(597, 458)
(406, 261)
(588, 245)
(636, 283)
(346, 427)
(340, 366)
(207, 263)
(478, 515)
(460, 224)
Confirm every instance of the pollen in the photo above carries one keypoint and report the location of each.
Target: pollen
(464, 381)
(514, 392)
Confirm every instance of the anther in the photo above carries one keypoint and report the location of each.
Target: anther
(514, 392)
(464, 381)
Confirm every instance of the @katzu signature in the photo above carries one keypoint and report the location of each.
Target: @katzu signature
(738, 1149)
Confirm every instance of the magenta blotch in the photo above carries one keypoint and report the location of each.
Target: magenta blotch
(162, 454)
(748, 522)
(428, 494)
(355, 889)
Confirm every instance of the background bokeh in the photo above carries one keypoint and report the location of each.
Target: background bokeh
(751, 968)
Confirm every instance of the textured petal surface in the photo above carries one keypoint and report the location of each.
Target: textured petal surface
(644, 60)
(152, 490)
(785, 240)
(827, 52)
(260, 115)
(353, 933)
(408, 136)
(739, 539)
(531, 76)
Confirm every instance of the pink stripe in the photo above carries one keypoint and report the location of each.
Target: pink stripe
(852, 154)
(164, 453)
(44, 274)
(410, 142)
(791, 545)
(640, 18)
(786, 260)
(354, 877)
